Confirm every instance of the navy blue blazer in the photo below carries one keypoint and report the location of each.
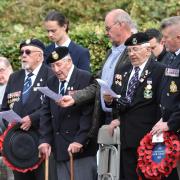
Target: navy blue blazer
(62, 126)
(13, 94)
(80, 56)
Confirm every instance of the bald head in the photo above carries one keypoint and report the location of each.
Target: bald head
(118, 26)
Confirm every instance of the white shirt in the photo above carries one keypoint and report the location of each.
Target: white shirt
(66, 43)
(177, 52)
(35, 73)
(140, 71)
(2, 90)
(67, 79)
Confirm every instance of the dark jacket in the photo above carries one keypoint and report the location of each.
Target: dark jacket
(170, 99)
(13, 94)
(80, 56)
(92, 92)
(143, 112)
(62, 126)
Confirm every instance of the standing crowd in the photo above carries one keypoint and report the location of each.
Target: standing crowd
(142, 68)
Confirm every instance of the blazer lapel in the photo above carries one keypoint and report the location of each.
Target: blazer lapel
(73, 84)
(18, 105)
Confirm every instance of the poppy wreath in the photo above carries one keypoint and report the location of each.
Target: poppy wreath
(158, 170)
(10, 164)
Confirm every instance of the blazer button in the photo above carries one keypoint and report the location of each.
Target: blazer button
(67, 131)
(52, 116)
(167, 94)
(68, 115)
(57, 133)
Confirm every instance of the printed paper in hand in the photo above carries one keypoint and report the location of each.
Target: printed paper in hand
(10, 116)
(157, 138)
(48, 92)
(106, 89)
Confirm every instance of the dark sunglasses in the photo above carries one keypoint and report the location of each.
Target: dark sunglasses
(27, 52)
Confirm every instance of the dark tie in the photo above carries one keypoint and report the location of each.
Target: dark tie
(133, 83)
(61, 89)
(27, 88)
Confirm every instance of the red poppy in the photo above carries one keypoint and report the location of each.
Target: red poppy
(154, 170)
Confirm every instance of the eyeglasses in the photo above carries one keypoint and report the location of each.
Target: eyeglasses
(108, 28)
(134, 49)
(27, 52)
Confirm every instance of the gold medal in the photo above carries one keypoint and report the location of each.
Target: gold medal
(173, 87)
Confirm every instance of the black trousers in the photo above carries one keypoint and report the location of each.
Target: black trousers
(129, 165)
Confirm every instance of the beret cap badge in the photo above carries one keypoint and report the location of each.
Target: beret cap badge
(134, 41)
(55, 55)
(28, 41)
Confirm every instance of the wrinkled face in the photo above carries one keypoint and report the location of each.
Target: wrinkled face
(4, 73)
(31, 57)
(138, 54)
(156, 47)
(61, 68)
(55, 31)
(114, 30)
(171, 38)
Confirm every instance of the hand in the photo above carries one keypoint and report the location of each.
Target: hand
(26, 123)
(114, 123)
(44, 150)
(75, 147)
(65, 101)
(108, 98)
(122, 104)
(159, 127)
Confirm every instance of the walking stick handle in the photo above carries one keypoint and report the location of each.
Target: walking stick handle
(47, 168)
(71, 166)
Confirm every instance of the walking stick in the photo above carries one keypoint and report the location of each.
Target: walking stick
(47, 168)
(71, 166)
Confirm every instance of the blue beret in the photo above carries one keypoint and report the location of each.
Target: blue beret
(58, 53)
(33, 42)
(137, 39)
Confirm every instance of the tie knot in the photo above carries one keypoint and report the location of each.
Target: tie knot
(62, 82)
(30, 74)
(136, 69)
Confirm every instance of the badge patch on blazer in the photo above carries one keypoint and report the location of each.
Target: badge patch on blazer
(148, 90)
(118, 79)
(12, 98)
(173, 87)
(172, 72)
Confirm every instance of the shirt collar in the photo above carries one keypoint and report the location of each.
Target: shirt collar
(69, 74)
(120, 47)
(177, 52)
(142, 65)
(66, 43)
(36, 70)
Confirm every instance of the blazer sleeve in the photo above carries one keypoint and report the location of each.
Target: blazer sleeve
(84, 61)
(45, 128)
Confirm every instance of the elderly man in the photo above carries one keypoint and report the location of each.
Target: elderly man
(170, 96)
(5, 71)
(57, 26)
(138, 105)
(20, 94)
(118, 25)
(66, 129)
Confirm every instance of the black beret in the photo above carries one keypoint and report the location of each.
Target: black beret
(137, 39)
(57, 54)
(33, 42)
(20, 148)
